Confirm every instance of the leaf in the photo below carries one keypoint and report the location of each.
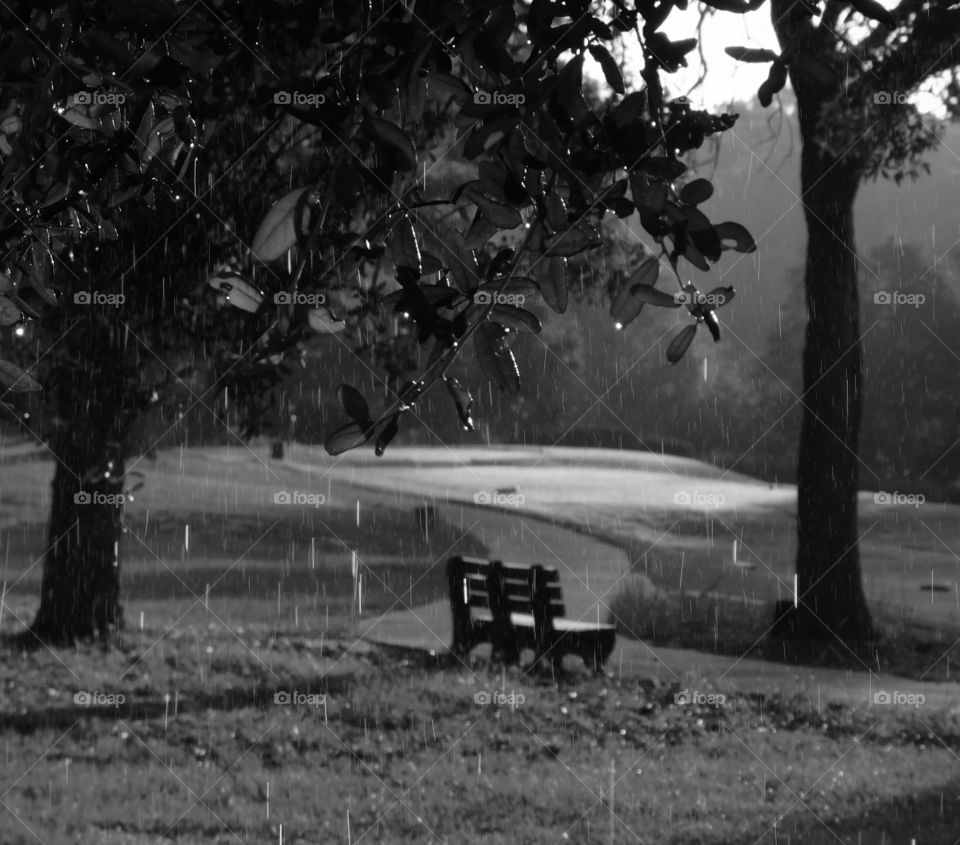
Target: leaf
(443, 86)
(516, 318)
(751, 54)
(629, 302)
(321, 320)
(713, 324)
(515, 286)
(277, 232)
(18, 380)
(404, 247)
(742, 240)
(681, 343)
(571, 242)
(499, 214)
(389, 432)
(773, 84)
(393, 136)
(872, 9)
(609, 66)
(463, 401)
(480, 231)
(696, 192)
(496, 358)
(10, 313)
(461, 260)
(238, 292)
(702, 234)
(551, 275)
(570, 90)
(347, 437)
(352, 401)
(721, 296)
(815, 70)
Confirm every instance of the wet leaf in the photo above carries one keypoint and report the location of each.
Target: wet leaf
(17, 380)
(496, 358)
(681, 343)
(713, 324)
(393, 136)
(735, 236)
(277, 232)
(352, 401)
(10, 313)
(516, 318)
(609, 66)
(872, 9)
(389, 432)
(347, 437)
(499, 214)
(751, 54)
(321, 320)
(404, 247)
(773, 84)
(443, 86)
(696, 192)
(571, 242)
(238, 292)
(463, 401)
(551, 273)
(627, 305)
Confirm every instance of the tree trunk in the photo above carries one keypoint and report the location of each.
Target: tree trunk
(832, 602)
(80, 591)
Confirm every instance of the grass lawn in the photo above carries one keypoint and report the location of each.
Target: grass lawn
(385, 748)
(235, 709)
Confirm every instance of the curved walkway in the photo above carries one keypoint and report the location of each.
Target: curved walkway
(590, 569)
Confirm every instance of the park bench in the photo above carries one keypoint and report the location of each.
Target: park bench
(515, 607)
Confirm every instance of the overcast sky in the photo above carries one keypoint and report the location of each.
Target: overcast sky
(729, 79)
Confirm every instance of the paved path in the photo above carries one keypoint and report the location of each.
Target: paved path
(590, 569)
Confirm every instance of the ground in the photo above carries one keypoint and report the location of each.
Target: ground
(256, 605)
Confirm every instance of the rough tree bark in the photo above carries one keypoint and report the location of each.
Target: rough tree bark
(831, 599)
(80, 589)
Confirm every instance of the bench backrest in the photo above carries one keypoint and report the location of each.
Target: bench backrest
(520, 584)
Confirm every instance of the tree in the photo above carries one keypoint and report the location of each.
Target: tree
(855, 123)
(338, 122)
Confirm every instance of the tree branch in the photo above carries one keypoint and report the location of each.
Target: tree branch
(930, 48)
